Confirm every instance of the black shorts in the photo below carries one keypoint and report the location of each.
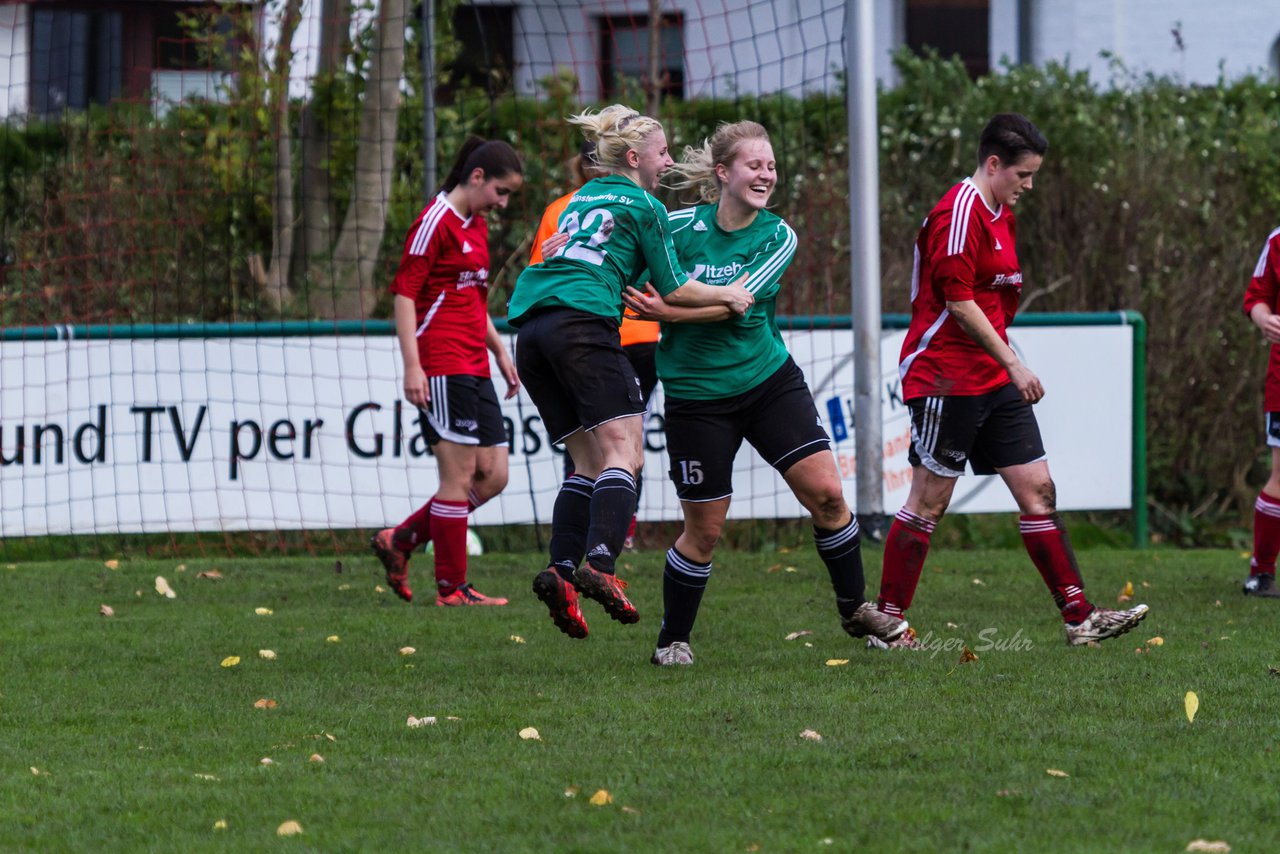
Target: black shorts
(464, 410)
(1272, 428)
(989, 431)
(573, 367)
(777, 418)
(644, 361)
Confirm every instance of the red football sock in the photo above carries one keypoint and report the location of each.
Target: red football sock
(905, 549)
(1266, 535)
(449, 533)
(414, 532)
(1050, 548)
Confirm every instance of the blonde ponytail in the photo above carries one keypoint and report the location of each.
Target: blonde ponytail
(615, 130)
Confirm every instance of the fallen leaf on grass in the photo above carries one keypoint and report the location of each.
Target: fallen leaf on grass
(263, 612)
(1192, 704)
(35, 771)
(809, 645)
(1216, 845)
(220, 824)
(631, 811)
(316, 757)
(601, 797)
(268, 654)
(517, 639)
(811, 735)
(205, 777)
(953, 625)
(407, 650)
(789, 569)
(798, 634)
(378, 588)
(107, 611)
(266, 760)
(211, 574)
(837, 662)
(1126, 594)
(530, 734)
(968, 655)
(1156, 641)
(572, 791)
(289, 828)
(163, 588)
(414, 723)
(231, 661)
(1004, 793)
(774, 568)
(333, 639)
(980, 582)
(112, 564)
(344, 586)
(1054, 772)
(182, 567)
(453, 718)
(265, 703)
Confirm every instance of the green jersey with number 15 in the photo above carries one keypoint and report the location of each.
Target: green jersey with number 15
(711, 361)
(616, 231)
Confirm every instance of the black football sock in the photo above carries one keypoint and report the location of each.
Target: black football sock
(683, 583)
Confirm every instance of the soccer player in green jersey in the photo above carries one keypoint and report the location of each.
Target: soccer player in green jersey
(571, 362)
(729, 378)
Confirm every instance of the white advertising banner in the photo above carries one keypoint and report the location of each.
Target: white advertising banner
(147, 435)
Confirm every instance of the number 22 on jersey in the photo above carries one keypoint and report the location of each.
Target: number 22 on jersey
(591, 250)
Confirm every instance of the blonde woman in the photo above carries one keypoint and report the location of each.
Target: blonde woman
(570, 360)
(727, 378)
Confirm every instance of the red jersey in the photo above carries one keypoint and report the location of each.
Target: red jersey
(965, 251)
(1264, 288)
(445, 271)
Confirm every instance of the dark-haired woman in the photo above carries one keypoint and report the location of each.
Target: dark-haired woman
(970, 395)
(442, 322)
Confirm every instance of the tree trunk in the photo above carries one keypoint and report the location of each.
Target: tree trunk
(273, 278)
(315, 187)
(355, 254)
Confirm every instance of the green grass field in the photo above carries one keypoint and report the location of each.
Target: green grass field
(143, 741)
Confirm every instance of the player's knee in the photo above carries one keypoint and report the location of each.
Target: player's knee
(1048, 495)
(704, 537)
(829, 509)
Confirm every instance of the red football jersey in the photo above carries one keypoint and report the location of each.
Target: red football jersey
(965, 251)
(445, 271)
(1264, 288)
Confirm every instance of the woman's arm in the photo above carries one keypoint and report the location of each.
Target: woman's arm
(979, 328)
(415, 379)
(493, 341)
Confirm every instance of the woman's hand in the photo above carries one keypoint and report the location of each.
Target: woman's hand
(416, 390)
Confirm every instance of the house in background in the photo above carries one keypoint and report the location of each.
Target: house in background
(67, 54)
(56, 56)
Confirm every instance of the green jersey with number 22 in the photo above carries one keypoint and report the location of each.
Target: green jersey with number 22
(617, 232)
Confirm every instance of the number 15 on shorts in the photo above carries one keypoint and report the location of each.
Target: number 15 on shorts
(691, 472)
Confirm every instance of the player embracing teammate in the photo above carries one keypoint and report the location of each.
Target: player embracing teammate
(570, 358)
(729, 378)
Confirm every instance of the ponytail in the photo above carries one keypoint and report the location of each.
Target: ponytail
(496, 158)
(615, 130)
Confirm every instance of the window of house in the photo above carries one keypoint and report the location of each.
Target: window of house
(83, 54)
(624, 52)
(488, 32)
(952, 28)
(76, 59)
